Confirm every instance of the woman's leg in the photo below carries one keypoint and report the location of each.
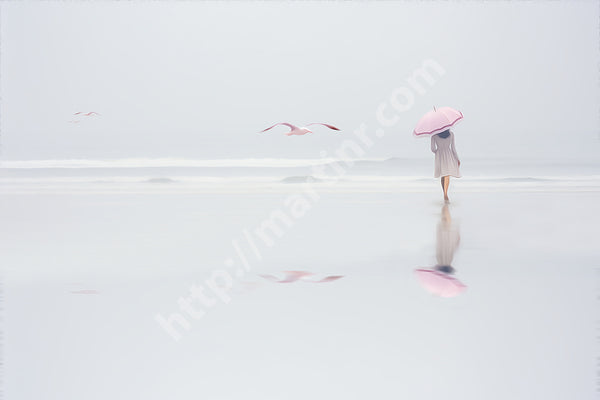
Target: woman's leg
(445, 184)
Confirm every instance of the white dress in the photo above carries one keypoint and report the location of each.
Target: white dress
(446, 159)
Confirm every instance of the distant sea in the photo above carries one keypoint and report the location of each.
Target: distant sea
(179, 175)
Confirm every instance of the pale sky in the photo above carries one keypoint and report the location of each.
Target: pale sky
(200, 79)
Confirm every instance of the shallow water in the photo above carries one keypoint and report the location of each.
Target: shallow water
(86, 272)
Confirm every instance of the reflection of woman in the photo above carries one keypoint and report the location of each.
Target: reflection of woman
(446, 159)
(448, 239)
(439, 280)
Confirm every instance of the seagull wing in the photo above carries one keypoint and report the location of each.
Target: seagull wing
(270, 278)
(292, 276)
(292, 127)
(327, 125)
(330, 279)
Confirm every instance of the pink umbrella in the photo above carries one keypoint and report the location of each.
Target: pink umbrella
(437, 121)
(439, 283)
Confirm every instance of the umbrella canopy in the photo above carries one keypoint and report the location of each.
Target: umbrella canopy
(437, 121)
(439, 283)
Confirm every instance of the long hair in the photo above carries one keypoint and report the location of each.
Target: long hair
(444, 134)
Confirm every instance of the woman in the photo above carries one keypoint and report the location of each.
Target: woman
(446, 160)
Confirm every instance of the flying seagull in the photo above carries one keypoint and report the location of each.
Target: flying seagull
(89, 114)
(300, 130)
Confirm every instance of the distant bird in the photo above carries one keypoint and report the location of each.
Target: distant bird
(83, 114)
(293, 276)
(299, 130)
(88, 114)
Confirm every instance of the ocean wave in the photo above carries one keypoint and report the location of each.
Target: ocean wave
(173, 162)
(274, 184)
(159, 180)
(525, 179)
(301, 179)
(269, 179)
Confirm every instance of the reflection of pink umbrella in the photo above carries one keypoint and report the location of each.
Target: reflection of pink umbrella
(290, 276)
(437, 121)
(440, 283)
